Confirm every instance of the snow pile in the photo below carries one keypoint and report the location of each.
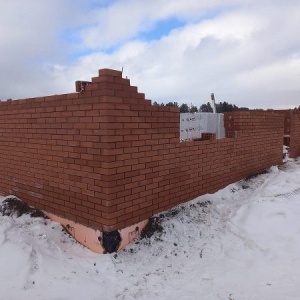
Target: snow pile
(242, 242)
(286, 152)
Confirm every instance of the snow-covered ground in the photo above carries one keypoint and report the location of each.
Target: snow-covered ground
(242, 242)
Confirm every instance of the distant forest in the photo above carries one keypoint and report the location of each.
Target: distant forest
(185, 108)
(221, 107)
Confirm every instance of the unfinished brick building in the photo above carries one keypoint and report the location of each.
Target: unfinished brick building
(105, 160)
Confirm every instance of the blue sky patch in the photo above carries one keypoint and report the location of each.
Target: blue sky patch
(161, 28)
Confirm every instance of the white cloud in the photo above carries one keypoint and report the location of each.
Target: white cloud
(125, 19)
(246, 52)
(31, 39)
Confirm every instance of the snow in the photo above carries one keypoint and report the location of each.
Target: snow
(242, 242)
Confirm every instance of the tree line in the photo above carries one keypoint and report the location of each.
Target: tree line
(185, 108)
(221, 107)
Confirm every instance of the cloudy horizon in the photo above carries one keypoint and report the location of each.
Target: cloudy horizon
(246, 52)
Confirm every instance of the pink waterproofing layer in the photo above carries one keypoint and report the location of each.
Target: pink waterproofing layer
(91, 238)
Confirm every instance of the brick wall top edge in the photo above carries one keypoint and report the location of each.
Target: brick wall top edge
(287, 110)
(110, 72)
(16, 101)
(254, 113)
(74, 95)
(40, 99)
(296, 112)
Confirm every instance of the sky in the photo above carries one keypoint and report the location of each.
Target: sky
(246, 52)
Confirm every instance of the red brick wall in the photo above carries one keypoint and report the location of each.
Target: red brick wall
(295, 134)
(55, 151)
(292, 130)
(107, 158)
